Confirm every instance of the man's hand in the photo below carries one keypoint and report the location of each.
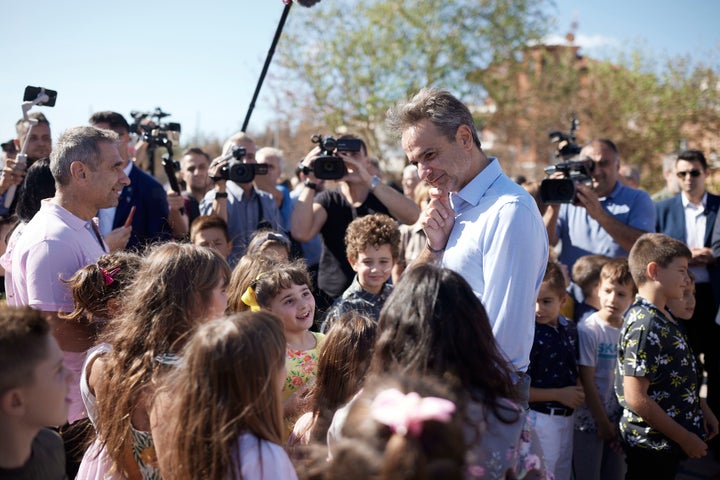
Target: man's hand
(214, 172)
(701, 256)
(587, 198)
(437, 219)
(175, 200)
(117, 239)
(12, 174)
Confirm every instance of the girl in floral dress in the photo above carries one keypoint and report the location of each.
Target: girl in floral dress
(286, 291)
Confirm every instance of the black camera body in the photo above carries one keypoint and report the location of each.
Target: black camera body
(574, 169)
(237, 171)
(158, 135)
(9, 147)
(329, 166)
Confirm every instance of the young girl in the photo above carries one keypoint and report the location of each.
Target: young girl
(248, 268)
(341, 370)
(229, 424)
(285, 291)
(178, 287)
(98, 290)
(270, 243)
(401, 427)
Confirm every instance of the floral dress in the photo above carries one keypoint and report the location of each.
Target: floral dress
(301, 366)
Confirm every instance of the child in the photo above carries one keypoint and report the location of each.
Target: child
(211, 231)
(597, 453)
(285, 291)
(372, 246)
(229, 424)
(683, 308)
(248, 268)
(586, 280)
(177, 288)
(657, 383)
(269, 243)
(554, 389)
(401, 427)
(341, 370)
(98, 291)
(34, 386)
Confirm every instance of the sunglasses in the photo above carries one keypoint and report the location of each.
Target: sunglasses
(692, 173)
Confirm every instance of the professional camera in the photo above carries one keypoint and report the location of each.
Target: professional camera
(328, 165)
(574, 169)
(160, 133)
(237, 171)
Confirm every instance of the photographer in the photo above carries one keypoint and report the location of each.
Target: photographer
(604, 219)
(38, 146)
(330, 213)
(241, 205)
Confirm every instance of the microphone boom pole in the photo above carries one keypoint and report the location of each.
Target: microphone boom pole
(268, 60)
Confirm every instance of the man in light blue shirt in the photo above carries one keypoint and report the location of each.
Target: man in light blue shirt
(606, 218)
(479, 222)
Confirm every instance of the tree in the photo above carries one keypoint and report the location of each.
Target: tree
(347, 62)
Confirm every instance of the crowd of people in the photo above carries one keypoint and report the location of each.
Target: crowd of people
(456, 327)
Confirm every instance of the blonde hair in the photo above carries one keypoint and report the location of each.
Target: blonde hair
(205, 421)
(247, 270)
(164, 304)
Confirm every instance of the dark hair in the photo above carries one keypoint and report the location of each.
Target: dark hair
(618, 270)
(196, 151)
(22, 124)
(656, 248)
(445, 111)
(586, 271)
(283, 276)
(23, 344)
(372, 449)
(607, 142)
(693, 156)
(433, 323)
(341, 369)
(39, 184)
(247, 270)
(113, 119)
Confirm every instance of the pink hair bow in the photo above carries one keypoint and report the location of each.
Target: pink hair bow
(406, 413)
(108, 276)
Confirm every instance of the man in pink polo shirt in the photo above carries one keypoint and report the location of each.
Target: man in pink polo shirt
(63, 237)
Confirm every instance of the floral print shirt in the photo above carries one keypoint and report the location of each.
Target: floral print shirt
(655, 347)
(301, 366)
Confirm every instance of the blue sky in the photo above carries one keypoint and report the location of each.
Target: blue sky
(200, 61)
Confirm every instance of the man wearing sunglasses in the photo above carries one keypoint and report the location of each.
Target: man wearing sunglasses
(690, 218)
(606, 218)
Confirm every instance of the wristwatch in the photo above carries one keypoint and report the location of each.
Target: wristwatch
(310, 185)
(221, 194)
(374, 183)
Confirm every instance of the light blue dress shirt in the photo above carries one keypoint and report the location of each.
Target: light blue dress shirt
(499, 244)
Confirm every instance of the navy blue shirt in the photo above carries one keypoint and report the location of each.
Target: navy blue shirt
(553, 358)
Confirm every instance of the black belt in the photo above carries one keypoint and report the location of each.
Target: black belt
(556, 411)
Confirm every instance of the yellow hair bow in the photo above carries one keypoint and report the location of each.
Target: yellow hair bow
(248, 298)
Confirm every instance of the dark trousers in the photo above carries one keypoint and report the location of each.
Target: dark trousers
(644, 464)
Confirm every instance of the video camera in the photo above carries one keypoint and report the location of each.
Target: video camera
(328, 165)
(574, 169)
(160, 133)
(9, 147)
(237, 171)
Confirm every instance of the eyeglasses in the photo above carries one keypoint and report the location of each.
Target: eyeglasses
(692, 173)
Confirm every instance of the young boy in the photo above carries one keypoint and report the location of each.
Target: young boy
(554, 389)
(34, 388)
(586, 281)
(657, 383)
(211, 231)
(372, 246)
(597, 454)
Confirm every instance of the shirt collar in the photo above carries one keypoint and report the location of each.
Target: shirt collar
(615, 191)
(481, 183)
(686, 201)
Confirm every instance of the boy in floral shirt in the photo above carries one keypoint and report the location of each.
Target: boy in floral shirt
(664, 419)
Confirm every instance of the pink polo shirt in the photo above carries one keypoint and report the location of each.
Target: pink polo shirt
(53, 246)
